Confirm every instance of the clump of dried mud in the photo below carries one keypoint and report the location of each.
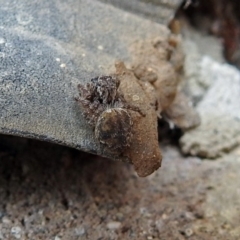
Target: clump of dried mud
(153, 85)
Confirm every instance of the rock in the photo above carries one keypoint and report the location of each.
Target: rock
(196, 45)
(80, 231)
(16, 232)
(188, 232)
(1, 235)
(113, 225)
(219, 110)
(6, 220)
(181, 113)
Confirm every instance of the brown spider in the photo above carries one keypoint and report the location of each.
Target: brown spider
(105, 109)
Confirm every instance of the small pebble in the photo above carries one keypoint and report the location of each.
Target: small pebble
(164, 216)
(189, 216)
(80, 231)
(2, 40)
(188, 232)
(135, 98)
(16, 232)
(113, 225)
(6, 220)
(1, 236)
(119, 216)
(57, 238)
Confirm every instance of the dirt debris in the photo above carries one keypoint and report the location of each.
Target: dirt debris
(151, 62)
(160, 62)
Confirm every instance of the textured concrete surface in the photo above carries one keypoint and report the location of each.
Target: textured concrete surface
(52, 192)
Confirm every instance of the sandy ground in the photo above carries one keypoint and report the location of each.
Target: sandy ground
(52, 192)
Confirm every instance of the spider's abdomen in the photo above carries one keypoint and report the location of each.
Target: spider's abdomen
(114, 129)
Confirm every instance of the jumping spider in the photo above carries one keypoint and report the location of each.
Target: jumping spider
(105, 109)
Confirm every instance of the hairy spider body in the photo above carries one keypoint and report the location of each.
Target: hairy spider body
(105, 109)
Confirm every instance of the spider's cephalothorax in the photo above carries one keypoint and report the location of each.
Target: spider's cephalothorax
(105, 109)
(99, 95)
(106, 89)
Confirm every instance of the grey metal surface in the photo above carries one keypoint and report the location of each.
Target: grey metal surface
(46, 48)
